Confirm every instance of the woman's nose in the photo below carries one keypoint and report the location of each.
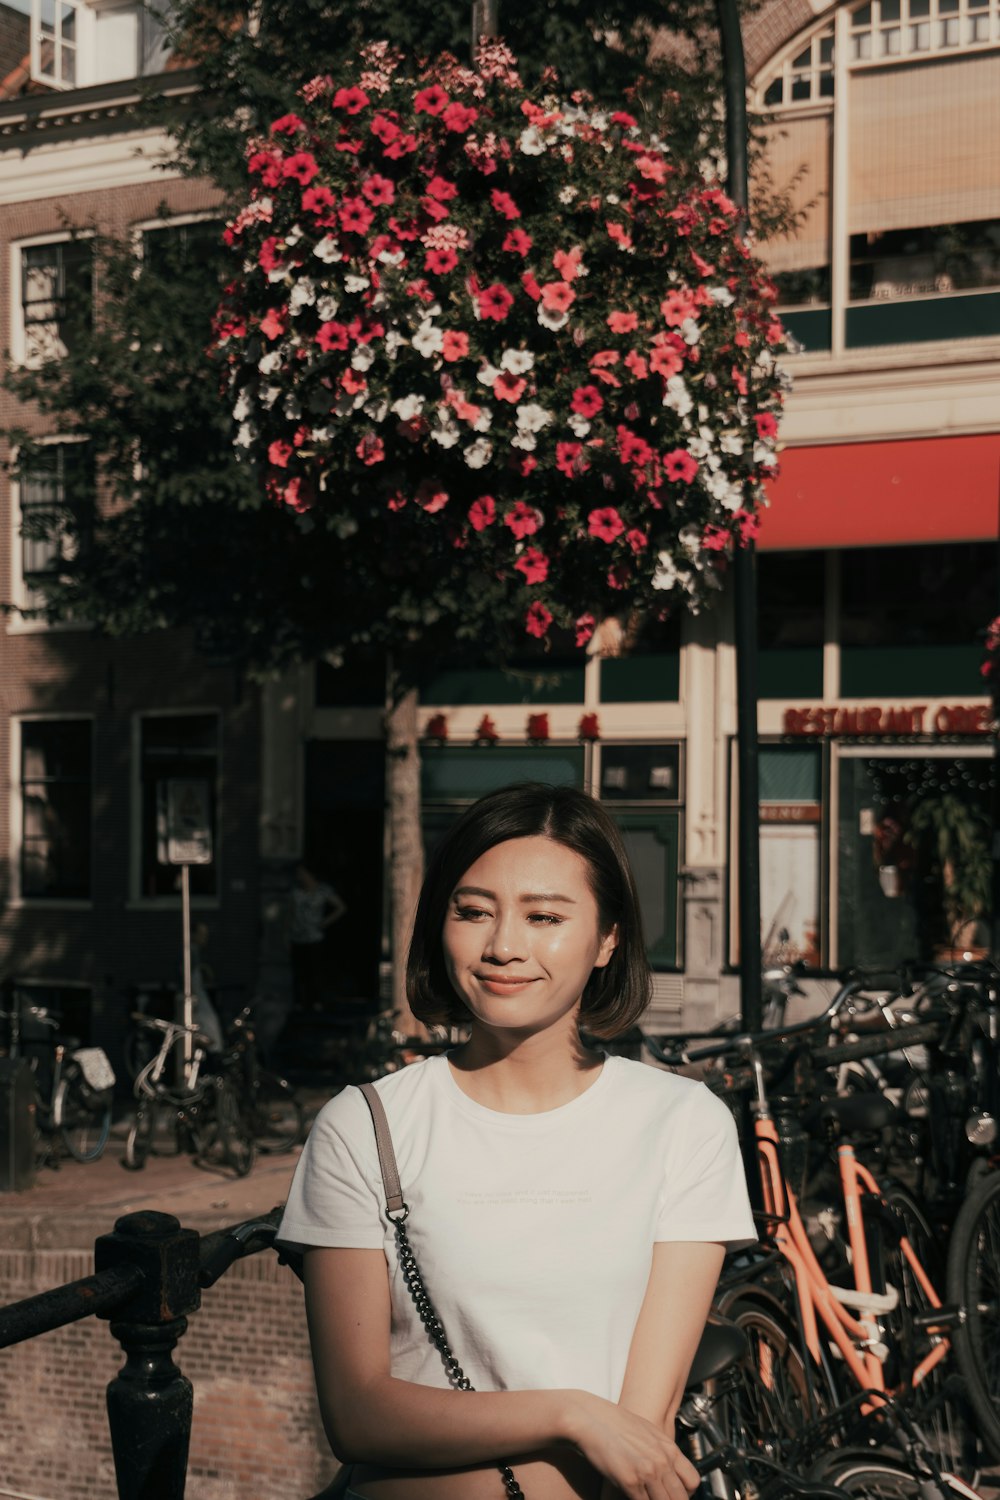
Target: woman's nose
(503, 942)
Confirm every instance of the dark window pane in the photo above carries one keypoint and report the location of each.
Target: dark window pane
(774, 92)
(186, 747)
(173, 248)
(790, 623)
(56, 803)
(917, 262)
(650, 671)
(56, 296)
(640, 773)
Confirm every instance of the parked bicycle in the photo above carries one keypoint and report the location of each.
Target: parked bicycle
(271, 1110)
(73, 1084)
(199, 1113)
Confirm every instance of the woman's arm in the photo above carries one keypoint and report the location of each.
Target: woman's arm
(370, 1416)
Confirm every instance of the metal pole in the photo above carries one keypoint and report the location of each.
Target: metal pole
(187, 1004)
(993, 688)
(485, 21)
(744, 581)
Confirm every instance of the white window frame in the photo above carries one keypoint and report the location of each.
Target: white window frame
(19, 624)
(136, 900)
(87, 14)
(18, 330)
(16, 801)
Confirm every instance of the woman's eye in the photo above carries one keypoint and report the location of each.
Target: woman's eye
(545, 919)
(469, 913)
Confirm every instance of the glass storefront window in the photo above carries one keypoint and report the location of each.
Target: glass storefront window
(791, 835)
(791, 588)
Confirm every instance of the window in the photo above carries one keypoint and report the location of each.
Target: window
(56, 296)
(791, 589)
(919, 262)
(171, 248)
(185, 747)
(79, 42)
(55, 42)
(884, 29)
(804, 75)
(56, 488)
(56, 795)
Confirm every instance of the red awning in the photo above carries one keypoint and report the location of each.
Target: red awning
(885, 494)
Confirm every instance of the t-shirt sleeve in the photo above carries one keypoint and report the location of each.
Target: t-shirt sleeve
(334, 1200)
(705, 1191)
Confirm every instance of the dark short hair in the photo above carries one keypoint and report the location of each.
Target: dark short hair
(616, 995)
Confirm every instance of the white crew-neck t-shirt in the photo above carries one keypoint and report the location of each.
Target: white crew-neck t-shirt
(534, 1233)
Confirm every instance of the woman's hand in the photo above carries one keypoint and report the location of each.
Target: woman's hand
(638, 1460)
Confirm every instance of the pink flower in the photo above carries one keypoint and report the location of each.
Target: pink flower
(378, 189)
(567, 263)
(269, 257)
(508, 387)
(767, 425)
(278, 453)
(714, 539)
(355, 216)
(482, 512)
(680, 465)
(677, 307)
(665, 357)
(587, 401)
(455, 346)
(627, 122)
(533, 564)
(316, 199)
(384, 129)
(653, 168)
(401, 145)
(430, 498)
(351, 101)
(636, 364)
(459, 117)
(558, 296)
(749, 526)
(637, 540)
(370, 449)
(531, 286)
(302, 166)
(495, 302)
(440, 261)
(504, 204)
(619, 234)
(585, 627)
(536, 622)
(441, 189)
(518, 241)
(606, 523)
(274, 324)
(298, 493)
(570, 460)
(396, 501)
(431, 100)
(287, 125)
(623, 322)
(522, 519)
(332, 336)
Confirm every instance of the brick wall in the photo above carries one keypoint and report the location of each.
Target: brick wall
(256, 1433)
(14, 39)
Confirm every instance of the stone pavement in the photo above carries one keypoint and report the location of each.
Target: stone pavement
(68, 1207)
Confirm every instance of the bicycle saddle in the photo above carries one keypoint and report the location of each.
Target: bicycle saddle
(721, 1345)
(852, 1112)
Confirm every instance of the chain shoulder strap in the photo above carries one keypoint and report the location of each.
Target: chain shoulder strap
(397, 1212)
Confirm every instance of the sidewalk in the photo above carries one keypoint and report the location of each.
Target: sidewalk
(68, 1207)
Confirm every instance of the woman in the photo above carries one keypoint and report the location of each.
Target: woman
(569, 1211)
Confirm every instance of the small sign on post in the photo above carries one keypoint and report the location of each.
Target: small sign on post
(184, 837)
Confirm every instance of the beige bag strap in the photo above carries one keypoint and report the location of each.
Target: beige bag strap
(394, 1203)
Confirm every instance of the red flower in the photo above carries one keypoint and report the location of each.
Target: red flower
(570, 460)
(749, 526)
(627, 122)
(430, 498)
(664, 357)
(585, 627)
(268, 164)
(378, 190)
(533, 564)
(636, 364)
(351, 101)
(531, 286)
(508, 387)
(401, 145)
(767, 425)
(430, 101)
(482, 512)
(316, 199)
(677, 307)
(442, 189)
(384, 129)
(332, 336)
(558, 296)
(653, 168)
(370, 449)
(637, 540)
(623, 322)
(522, 520)
(396, 500)
(287, 125)
(680, 465)
(274, 324)
(518, 241)
(455, 345)
(436, 727)
(302, 166)
(268, 257)
(495, 302)
(538, 724)
(619, 234)
(588, 727)
(486, 731)
(355, 216)
(440, 261)
(714, 539)
(567, 263)
(459, 117)
(279, 453)
(587, 401)
(605, 523)
(504, 204)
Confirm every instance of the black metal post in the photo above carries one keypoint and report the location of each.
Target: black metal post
(150, 1402)
(993, 687)
(744, 581)
(485, 21)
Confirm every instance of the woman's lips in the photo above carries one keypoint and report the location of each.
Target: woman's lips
(503, 984)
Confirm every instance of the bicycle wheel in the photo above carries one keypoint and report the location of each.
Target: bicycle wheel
(84, 1128)
(868, 1476)
(937, 1404)
(139, 1140)
(763, 1403)
(974, 1283)
(236, 1146)
(276, 1120)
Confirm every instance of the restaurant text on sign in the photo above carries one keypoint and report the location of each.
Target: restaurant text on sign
(910, 719)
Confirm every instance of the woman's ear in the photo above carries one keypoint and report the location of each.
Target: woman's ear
(608, 945)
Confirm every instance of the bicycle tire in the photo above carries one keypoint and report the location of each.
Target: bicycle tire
(974, 1283)
(277, 1119)
(939, 1404)
(869, 1476)
(236, 1145)
(139, 1141)
(763, 1404)
(84, 1130)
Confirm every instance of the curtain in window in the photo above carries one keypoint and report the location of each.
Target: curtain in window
(801, 150)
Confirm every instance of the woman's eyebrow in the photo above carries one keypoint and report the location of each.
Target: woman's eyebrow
(478, 890)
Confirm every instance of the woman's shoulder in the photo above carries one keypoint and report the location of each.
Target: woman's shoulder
(663, 1091)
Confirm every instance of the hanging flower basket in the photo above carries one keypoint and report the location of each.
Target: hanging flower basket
(484, 334)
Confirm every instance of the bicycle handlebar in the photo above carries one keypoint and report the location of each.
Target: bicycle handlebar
(154, 1023)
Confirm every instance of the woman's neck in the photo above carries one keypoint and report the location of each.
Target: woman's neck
(520, 1074)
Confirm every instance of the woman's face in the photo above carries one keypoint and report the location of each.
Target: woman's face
(521, 935)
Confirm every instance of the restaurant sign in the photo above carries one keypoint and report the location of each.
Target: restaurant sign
(870, 721)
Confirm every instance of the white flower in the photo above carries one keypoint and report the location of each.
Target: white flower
(525, 440)
(428, 340)
(377, 410)
(764, 362)
(270, 362)
(246, 434)
(677, 397)
(292, 407)
(550, 318)
(326, 250)
(355, 283)
(579, 424)
(532, 418)
(665, 576)
(363, 357)
(690, 331)
(294, 235)
(326, 308)
(447, 435)
(243, 407)
(765, 455)
(391, 257)
(303, 294)
(697, 447)
(393, 342)
(488, 375)
(267, 395)
(568, 193)
(484, 421)
(479, 453)
(517, 361)
(322, 434)
(731, 442)
(531, 141)
(408, 407)
(278, 274)
(722, 296)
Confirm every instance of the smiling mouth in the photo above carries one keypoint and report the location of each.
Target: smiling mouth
(505, 981)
